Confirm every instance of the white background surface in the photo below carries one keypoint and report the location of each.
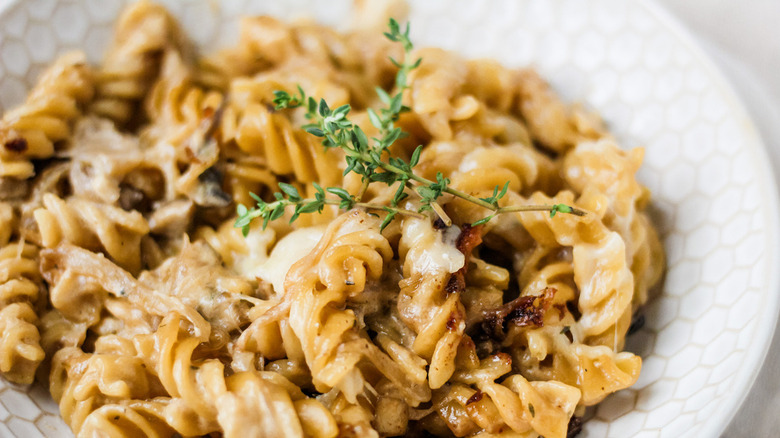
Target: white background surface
(743, 38)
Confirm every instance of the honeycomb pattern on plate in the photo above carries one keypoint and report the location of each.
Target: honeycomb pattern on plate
(713, 193)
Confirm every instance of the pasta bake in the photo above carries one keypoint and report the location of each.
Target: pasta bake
(406, 274)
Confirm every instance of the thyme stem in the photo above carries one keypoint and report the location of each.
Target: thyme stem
(463, 195)
(366, 205)
(365, 157)
(548, 208)
(363, 188)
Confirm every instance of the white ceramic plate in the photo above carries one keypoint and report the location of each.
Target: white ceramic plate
(714, 196)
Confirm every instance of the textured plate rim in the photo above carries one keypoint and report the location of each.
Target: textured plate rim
(768, 317)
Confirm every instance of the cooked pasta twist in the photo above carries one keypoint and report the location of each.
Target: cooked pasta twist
(194, 388)
(94, 226)
(596, 370)
(350, 255)
(284, 149)
(203, 400)
(606, 285)
(549, 120)
(626, 199)
(436, 85)
(128, 419)
(280, 407)
(185, 119)
(162, 319)
(20, 287)
(435, 315)
(175, 104)
(143, 32)
(31, 130)
(539, 407)
(82, 382)
(68, 366)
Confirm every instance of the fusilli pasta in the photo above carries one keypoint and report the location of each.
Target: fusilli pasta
(20, 290)
(124, 281)
(142, 34)
(33, 129)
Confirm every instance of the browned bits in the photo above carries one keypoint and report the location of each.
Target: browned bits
(502, 357)
(468, 239)
(474, 398)
(456, 283)
(575, 427)
(453, 321)
(522, 312)
(561, 308)
(17, 145)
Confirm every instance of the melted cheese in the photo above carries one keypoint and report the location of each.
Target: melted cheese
(433, 251)
(257, 243)
(289, 250)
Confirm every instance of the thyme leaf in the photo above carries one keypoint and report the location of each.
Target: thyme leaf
(371, 159)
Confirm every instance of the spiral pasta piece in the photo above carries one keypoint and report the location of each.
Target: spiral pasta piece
(243, 404)
(350, 255)
(31, 130)
(435, 92)
(194, 389)
(93, 226)
(484, 168)
(286, 150)
(476, 404)
(435, 315)
(129, 419)
(83, 382)
(63, 382)
(143, 32)
(176, 105)
(549, 120)
(20, 348)
(162, 319)
(282, 409)
(626, 198)
(596, 370)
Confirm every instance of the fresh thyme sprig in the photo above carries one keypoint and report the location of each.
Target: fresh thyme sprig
(366, 158)
(289, 196)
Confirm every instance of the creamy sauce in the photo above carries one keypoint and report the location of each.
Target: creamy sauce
(257, 243)
(289, 250)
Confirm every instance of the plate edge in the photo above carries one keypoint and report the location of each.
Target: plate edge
(761, 159)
